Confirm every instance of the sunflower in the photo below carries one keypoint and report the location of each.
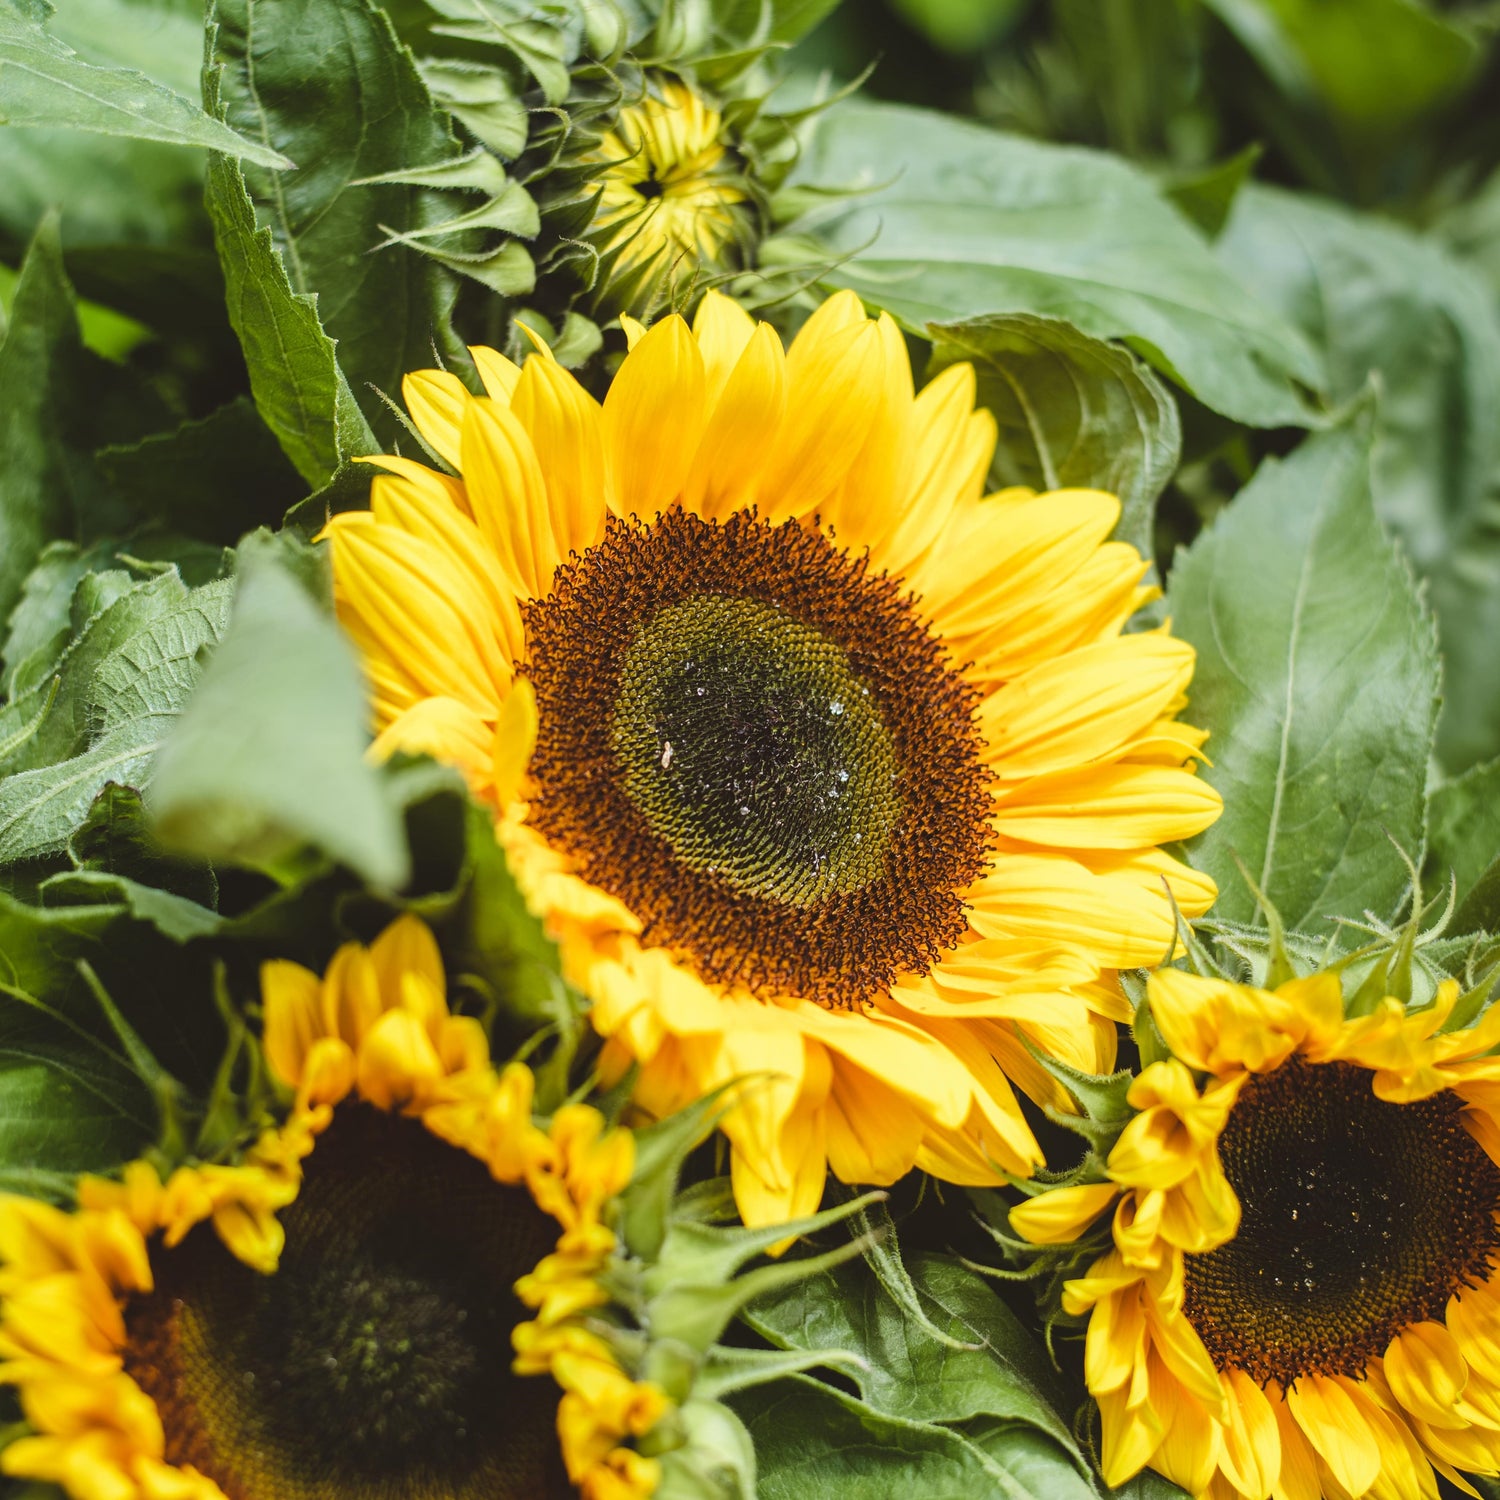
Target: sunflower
(666, 183)
(827, 774)
(1301, 1292)
(343, 1312)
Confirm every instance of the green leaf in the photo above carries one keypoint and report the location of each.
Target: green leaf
(68, 1101)
(332, 87)
(44, 82)
(1317, 679)
(1030, 1459)
(1463, 842)
(118, 860)
(161, 38)
(782, 20)
(1463, 830)
(812, 1440)
(123, 681)
(1380, 300)
(1471, 229)
(40, 362)
(1148, 1485)
(1073, 412)
(953, 221)
(961, 27)
(40, 621)
(1378, 65)
(269, 755)
(496, 940)
(299, 389)
(216, 478)
(1207, 196)
(909, 1374)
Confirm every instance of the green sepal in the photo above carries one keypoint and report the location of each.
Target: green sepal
(577, 340)
(1145, 1033)
(725, 1370)
(1279, 968)
(171, 1098)
(875, 1229)
(1104, 1110)
(716, 1460)
(692, 1292)
(478, 170)
(660, 1151)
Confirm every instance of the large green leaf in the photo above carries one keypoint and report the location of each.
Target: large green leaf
(134, 229)
(1377, 65)
(299, 388)
(1471, 229)
(269, 756)
(908, 1373)
(332, 87)
(40, 381)
(1463, 844)
(812, 1440)
(217, 478)
(779, 21)
(68, 1102)
(950, 220)
(44, 82)
(1073, 411)
(1317, 678)
(119, 687)
(1380, 300)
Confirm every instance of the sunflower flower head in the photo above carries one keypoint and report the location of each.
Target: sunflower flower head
(1297, 1291)
(668, 198)
(834, 779)
(408, 1286)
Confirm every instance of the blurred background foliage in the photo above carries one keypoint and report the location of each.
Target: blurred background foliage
(1383, 104)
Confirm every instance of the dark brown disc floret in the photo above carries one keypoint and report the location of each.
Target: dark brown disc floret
(374, 1364)
(758, 746)
(1359, 1218)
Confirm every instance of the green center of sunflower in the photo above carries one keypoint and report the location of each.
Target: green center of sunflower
(760, 748)
(383, 1349)
(1359, 1218)
(749, 745)
(376, 1360)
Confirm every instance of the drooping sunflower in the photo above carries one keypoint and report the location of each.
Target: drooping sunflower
(1301, 1294)
(827, 773)
(667, 191)
(343, 1312)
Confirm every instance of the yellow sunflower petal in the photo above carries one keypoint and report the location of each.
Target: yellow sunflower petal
(1058, 1218)
(1107, 807)
(654, 416)
(1215, 1026)
(1082, 706)
(499, 375)
(508, 495)
(723, 330)
(1333, 1417)
(566, 428)
(740, 437)
(436, 401)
